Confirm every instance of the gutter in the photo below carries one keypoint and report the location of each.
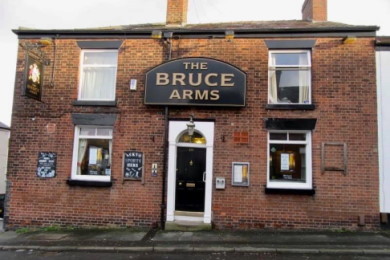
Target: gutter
(5, 128)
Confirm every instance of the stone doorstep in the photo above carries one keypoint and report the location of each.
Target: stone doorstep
(181, 225)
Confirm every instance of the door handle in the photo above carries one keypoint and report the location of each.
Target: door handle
(204, 177)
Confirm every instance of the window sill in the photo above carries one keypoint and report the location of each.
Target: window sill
(89, 183)
(94, 103)
(289, 191)
(290, 107)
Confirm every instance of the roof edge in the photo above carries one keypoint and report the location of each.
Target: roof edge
(382, 41)
(190, 31)
(4, 127)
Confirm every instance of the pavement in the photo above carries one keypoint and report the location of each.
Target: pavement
(154, 240)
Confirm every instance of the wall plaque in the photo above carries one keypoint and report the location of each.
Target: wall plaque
(47, 163)
(133, 165)
(195, 82)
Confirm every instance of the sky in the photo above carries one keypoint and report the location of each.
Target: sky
(69, 14)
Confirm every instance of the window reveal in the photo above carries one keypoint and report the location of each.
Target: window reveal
(98, 74)
(289, 77)
(289, 160)
(92, 156)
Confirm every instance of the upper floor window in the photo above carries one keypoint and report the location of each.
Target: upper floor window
(289, 77)
(98, 75)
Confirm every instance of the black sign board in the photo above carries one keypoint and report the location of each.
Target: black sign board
(133, 165)
(34, 78)
(47, 162)
(195, 82)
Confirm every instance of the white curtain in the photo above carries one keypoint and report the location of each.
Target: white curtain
(81, 154)
(99, 73)
(98, 83)
(273, 94)
(304, 81)
(110, 151)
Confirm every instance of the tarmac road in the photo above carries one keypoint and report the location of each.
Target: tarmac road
(39, 255)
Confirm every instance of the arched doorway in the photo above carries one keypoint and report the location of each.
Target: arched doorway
(190, 172)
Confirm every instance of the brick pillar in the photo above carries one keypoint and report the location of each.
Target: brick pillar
(315, 10)
(177, 12)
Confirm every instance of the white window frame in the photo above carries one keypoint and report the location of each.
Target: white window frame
(77, 137)
(280, 184)
(273, 67)
(82, 66)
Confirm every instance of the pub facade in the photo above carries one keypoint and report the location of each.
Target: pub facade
(246, 125)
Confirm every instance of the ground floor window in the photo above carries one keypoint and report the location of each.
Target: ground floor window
(289, 159)
(92, 153)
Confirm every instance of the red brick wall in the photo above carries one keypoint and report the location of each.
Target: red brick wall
(315, 10)
(343, 90)
(177, 12)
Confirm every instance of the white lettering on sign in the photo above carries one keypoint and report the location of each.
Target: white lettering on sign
(162, 79)
(195, 65)
(195, 94)
(195, 79)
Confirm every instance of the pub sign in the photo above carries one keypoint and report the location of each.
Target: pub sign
(34, 78)
(195, 82)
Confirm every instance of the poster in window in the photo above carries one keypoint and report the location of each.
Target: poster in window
(284, 161)
(47, 162)
(240, 172)
(133, 165)
(34, 78)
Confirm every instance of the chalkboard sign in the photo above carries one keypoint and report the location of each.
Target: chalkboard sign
(133, 165)
(47, 162)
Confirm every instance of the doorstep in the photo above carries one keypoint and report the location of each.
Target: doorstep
(185, 225)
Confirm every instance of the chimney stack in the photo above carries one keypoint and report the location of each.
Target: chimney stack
(177, 12)
(315, 10)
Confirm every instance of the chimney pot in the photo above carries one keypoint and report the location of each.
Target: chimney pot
(177, 12)
(315, 10)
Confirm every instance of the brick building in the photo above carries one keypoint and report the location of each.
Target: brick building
(240, 125)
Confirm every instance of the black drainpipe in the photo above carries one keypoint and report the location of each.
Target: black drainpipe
(167, 40)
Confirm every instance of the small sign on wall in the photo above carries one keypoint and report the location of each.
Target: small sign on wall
(133, 165)
(240, 172)
(47, 163)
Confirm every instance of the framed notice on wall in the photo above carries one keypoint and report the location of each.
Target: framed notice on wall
(240, 173)
(133, 165)
(33, 78)
(47, 163)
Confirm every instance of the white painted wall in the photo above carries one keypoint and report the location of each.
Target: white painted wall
(4, 138)
(383, 84)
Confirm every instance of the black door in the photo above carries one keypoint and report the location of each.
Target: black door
(190, 187)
